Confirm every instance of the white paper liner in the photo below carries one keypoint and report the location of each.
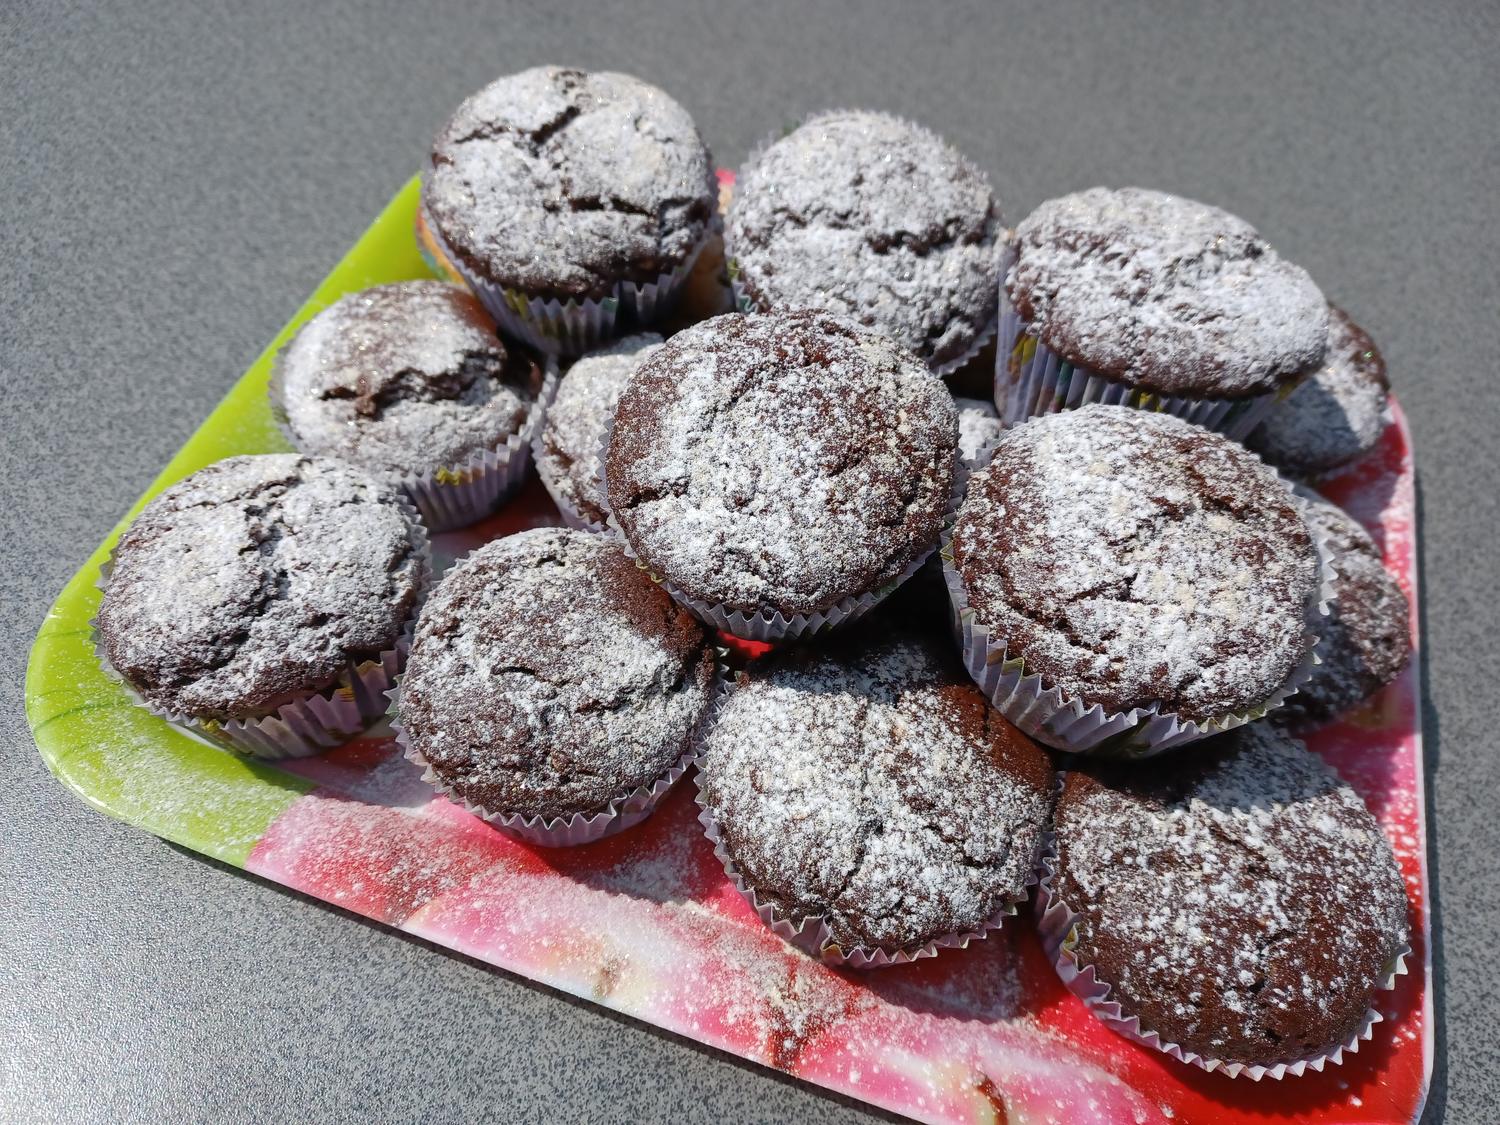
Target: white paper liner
(771, 626)
(1050, 715)
(813, 934)
(1043, 382)
(574, 326)
(571, 515)
(454, 496)
(432, 254)
(622, 812)
(1055, 925)
(459, 495)
(565, 507)
(310, 722)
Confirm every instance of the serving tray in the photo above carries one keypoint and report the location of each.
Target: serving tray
(646, 924)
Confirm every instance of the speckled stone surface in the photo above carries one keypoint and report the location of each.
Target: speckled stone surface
(247, 149)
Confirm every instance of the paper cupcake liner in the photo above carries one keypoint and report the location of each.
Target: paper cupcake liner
(433, 254)
(310, 722)
(571, 515)
(453, 496)
(771, 626)
(1031, 379)
(1056, 927)
(620, 813)
(459, 495)
(565, 506)
(812, 934)
(1052, 716)
(570, 327)
(983, 457)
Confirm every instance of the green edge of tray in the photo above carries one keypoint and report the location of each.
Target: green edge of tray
(113, 754)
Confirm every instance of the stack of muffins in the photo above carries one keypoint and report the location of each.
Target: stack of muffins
(1145, 610)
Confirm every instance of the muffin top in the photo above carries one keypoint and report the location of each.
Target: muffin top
(549, 676)
(782, 462)
(1335, 416)
(568, 453)
(979, 429)
(403, 378)
(871, 783)
(563, 183)
(1241, 900)
(1134, 559)
(1165, 293)
(875, 218)
(1344, 534)
(1366, 638)
(257, 578)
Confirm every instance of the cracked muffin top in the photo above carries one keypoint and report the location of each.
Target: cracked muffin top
(256, 579)
(874, 218)
(1366, 638)
(783, 462)
(1337, 415)
(403, 378)
(568, 452)
(1133, 559)
(871, 784)
(562, 183)
(1165, 293)
(549, 676)
(1240, 900)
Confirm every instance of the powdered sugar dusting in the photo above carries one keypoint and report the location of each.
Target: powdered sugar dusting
(548, 676)
(1133, 558)
(1241, 901)
(403, 378)
(979, 429)
(1335, 416)
(562, 183)
(787, 461)
(1168, 293)
(875, 218)
(876, 787)
(574, 431)
(258, 577)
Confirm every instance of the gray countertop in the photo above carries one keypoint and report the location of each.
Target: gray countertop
(176, 181)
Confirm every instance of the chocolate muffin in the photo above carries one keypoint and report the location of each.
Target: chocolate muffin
(1240, 902)
(562, 185)
(550, 678)
(874, 218)
(1134, 560)
(258, 581)
(1366, 638)
(781, 464)
(979, 430)
(1336, 416)
(1161, 296)
(567, 449)
(870, 786)
(410, 381)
